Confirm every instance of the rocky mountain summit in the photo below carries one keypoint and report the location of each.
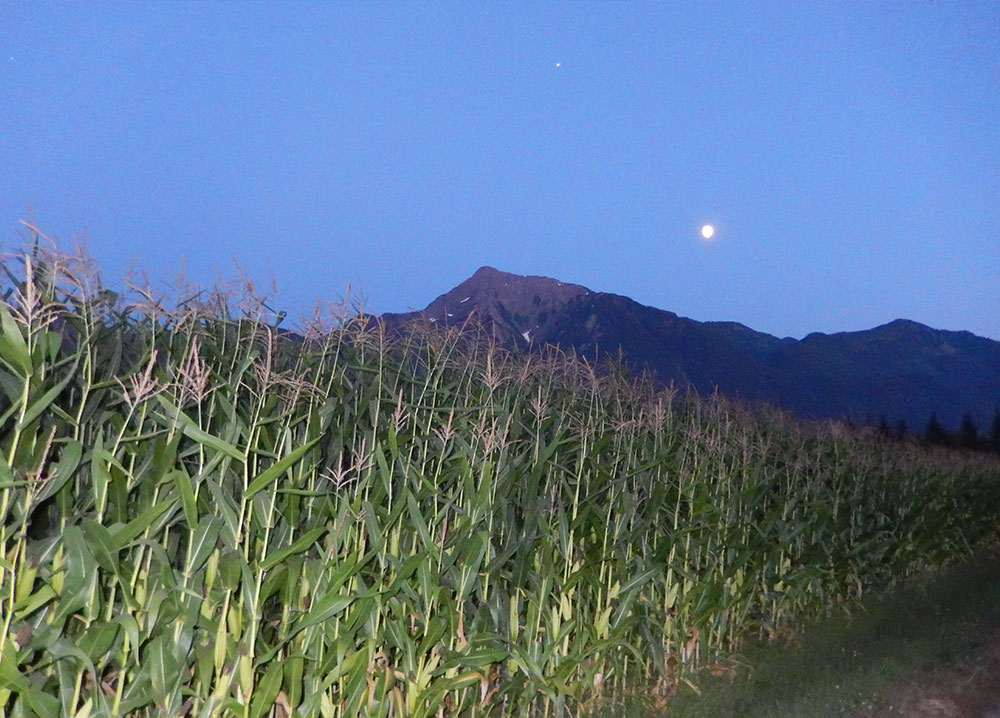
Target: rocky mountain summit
(520, 310)
(902, 371)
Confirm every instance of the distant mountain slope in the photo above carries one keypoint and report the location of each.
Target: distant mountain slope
(902, 370)
(521, 310)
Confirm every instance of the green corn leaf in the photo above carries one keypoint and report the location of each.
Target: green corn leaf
(230, 569)
(266, 690)
(357, 696)
(42, 403)
(164, 454)
(224, 505)
(418, 521)
(520, 659)
(326, 608)
(405, 571)
(277, 469)
(432, 699)
(185, 489)
(13, 348)
(640, 579)
(69, 461)
(42, 704)
(277, 580)
(102, 544)
(192, 431)
(7, 476)
(162, 667)
(12, 385)
(475, 659)
(100, 474)
(203, 542)
(376, 536)
(81, 573)
(346, 665)
(137, 526)
(11, 410)
(294, 669)
(62, 649)
(131, 628)
(32, 602)
(301, 544)
(51, 343)
(435, 629)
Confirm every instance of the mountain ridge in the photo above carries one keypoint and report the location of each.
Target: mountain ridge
(901, 370)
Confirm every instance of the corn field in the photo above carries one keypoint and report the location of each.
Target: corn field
(203, 516)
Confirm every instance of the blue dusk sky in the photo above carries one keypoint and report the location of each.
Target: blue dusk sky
(848, 154)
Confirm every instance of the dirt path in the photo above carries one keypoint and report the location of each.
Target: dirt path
(930, 649)
(969, 688)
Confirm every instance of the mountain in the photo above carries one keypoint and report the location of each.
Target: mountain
(902, 370)
(521, 310)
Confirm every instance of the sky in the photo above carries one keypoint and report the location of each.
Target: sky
(847, 154)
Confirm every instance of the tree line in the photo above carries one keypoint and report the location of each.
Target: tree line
(967, 436)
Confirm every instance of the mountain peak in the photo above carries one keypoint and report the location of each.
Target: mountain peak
(487, 271)
(516, 307)
(905, 324)
(490, 279)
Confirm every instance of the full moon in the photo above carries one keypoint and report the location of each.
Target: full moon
(707, 231)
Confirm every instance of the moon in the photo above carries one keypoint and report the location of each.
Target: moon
(707, 231)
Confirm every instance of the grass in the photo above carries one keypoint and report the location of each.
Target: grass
(200, 515)
(837, 666)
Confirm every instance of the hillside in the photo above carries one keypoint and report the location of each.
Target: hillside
(903, 370)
